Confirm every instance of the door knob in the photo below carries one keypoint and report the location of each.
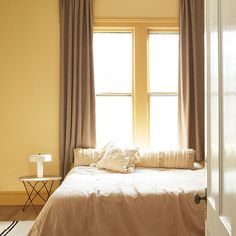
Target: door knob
(198, 198)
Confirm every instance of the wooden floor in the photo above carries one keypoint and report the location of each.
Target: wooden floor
(10, 213)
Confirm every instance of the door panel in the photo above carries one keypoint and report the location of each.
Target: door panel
(228, 38)
(220, 18)
(213, 148)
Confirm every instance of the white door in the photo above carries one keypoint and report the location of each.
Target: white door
(220, 59)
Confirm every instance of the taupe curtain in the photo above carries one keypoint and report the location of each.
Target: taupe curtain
(77, 96)
(191, 80)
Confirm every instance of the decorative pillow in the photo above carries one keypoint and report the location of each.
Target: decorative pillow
(86, 156)
(105, 149)
(182, 159)
(118, 159)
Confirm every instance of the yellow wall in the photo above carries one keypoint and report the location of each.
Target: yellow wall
(136, 8)
(29, 87)
(29, 79)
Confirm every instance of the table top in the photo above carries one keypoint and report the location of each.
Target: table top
(35, 178)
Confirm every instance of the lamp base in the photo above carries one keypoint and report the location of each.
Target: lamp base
(39, 169)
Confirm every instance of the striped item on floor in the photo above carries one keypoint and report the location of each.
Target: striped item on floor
(15, 228)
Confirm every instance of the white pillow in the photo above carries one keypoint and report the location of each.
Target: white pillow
(182, 159)
(86, 156)
(119, 159)
(105, 149)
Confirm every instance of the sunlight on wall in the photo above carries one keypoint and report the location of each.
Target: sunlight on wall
(29, 77)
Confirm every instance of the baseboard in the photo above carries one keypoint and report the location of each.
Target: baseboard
(18, 198)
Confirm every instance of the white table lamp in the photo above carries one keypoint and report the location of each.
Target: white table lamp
(40, 158)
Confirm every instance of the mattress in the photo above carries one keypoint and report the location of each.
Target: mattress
(148, 202)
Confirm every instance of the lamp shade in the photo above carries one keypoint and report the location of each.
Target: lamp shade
(40, 158)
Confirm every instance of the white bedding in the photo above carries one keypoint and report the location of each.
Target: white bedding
(148, 202)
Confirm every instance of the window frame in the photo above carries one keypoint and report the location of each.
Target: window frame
(157, 94)
(140, 29)
(117, 94)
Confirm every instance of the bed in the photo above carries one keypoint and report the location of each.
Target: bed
(148, 202)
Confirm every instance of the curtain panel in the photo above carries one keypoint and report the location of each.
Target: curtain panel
(77, 95)
(191, 79)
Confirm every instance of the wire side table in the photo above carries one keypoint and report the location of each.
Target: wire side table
(34, 186)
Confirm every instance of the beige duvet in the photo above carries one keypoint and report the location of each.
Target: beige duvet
(148, 202)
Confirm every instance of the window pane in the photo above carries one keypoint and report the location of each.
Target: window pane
(113, 62)
(114, 119)
(163, 122)
(163, 62)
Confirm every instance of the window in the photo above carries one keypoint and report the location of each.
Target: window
(113, 86)
(136, 82)
(163, 90)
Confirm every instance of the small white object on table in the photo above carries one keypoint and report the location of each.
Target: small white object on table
(40, 158)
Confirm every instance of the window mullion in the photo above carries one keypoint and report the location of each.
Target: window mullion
(114, 94)
(163, 94)
(140, 99)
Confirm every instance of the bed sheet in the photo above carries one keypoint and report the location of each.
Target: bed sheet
(148, 202)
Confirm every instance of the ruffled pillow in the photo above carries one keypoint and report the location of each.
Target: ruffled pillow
(181, 159)
(119, 159)
(86, 156)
